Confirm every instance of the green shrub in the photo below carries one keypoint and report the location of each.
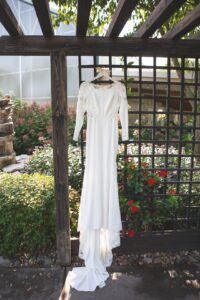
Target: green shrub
(27, 214)
(33, 125)
(42, 162)
(139, 207)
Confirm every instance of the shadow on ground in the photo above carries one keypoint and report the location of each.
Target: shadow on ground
(127, 283)
(144, 283)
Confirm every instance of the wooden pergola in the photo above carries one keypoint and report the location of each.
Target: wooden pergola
(58, 47)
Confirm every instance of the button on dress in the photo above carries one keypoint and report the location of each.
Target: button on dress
(99, 221)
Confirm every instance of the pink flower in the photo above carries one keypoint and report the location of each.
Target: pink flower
(49, 130)
(172, 191)
(34, 104)
(20, 121)
(42, 108)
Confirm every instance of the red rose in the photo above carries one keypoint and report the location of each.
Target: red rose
(131, 233)
(133, 209)
(130, 202)
(163, 173)
(151, 181)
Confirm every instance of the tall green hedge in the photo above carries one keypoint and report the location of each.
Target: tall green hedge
(27, 214)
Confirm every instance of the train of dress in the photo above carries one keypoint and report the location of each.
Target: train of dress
(95, 248)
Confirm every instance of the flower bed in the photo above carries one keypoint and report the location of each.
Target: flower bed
(149, 198)
(33, 125)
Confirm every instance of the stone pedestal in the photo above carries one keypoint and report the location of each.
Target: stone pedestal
(7, 154)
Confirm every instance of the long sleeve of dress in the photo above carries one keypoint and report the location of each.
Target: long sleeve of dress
(123, 112)
(80, 110)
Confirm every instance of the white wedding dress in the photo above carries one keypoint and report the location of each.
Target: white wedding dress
(99, 221)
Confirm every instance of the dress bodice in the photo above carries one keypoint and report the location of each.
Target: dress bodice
(102, 102)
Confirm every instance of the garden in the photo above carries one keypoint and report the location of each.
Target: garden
(27, 200)
(153, 48)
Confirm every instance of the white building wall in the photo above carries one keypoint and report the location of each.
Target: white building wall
(28, 77)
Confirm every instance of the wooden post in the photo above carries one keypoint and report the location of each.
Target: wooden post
(60, 153)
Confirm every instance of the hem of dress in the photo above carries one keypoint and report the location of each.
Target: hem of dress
(95, 248)
(86, 279)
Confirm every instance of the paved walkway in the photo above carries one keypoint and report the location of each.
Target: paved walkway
(143, 283)
(138, 283)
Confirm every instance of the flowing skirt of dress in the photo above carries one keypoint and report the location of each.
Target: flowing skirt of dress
(99, 220)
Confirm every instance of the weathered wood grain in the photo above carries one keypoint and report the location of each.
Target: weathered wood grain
(83, 14)
(37, 45)
(121, 15)
(163, 11)
(44, 17)
(8, 19)
(190, 21)
(60, 155)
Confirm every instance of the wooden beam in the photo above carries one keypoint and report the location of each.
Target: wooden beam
(44, 17)
(8, 20)
(191, 20)
(121, 15)
(83, 14)
(71, 45)
(163, 11)
(60, 145)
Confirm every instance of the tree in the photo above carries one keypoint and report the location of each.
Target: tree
(102, 12)
(100, 15)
